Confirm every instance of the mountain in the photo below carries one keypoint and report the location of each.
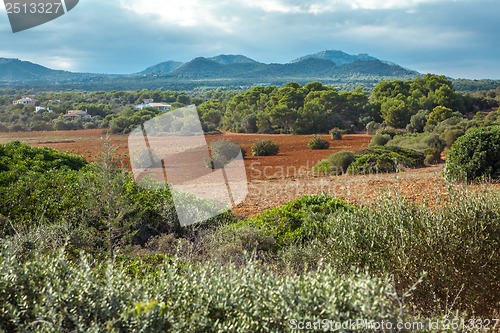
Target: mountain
(229, 59)
(164, 67)
(338, 57)
(15, 69)
(330, 67)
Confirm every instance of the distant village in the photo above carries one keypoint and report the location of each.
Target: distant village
(80, 114)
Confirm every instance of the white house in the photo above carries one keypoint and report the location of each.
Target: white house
(76, 114)
(24, 101)
(40, 109)
(151, 104)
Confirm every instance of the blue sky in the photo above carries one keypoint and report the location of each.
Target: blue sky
(458, 38)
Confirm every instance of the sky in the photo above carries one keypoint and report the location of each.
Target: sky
(457, 38)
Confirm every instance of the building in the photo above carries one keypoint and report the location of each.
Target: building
(40, 109)
(149, 103)
(76, 114)
(24, 101)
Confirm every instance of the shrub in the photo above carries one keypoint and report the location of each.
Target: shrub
(421, 142)
(372, 127)
(457, 245)
(432, 156)
(451, 135)
(407, 157)
(322, 167)
(297, 221)
(418, 122)
(336, 134)
(318, 143)
(372, 164)
(380, 139)
(222, 153)
(475, 155)
(340, 162)
(160, 294)
(378, 159)
(265, 148)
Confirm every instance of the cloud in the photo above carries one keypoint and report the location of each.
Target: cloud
(127, 36)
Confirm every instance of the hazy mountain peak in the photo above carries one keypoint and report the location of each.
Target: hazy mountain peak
(164, 67)
(338, 57)
(229, 59)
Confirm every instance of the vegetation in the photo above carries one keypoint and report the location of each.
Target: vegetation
(336, 164)
(373, 160)
(223, 152)
(336, 134)
(83, 247)
(380, 139)
(476, 155)
(318, 143)
(265, 148)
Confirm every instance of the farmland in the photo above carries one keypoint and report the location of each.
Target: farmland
(274, 180)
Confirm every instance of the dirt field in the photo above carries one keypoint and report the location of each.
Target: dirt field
(278, 179)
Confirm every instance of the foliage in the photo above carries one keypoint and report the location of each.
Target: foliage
(318, 143)
(39, 188)
(158, 294)
(432, 145)
(336, 134)
(379, 159)
(223, 152)
(265, 148)
(17, 158)
(399, 101)
(380, 139)
(439, 114)
(373, 164)
(298, 221)
(418, 122)
(457, 245)
(336, 164)
(476, 155)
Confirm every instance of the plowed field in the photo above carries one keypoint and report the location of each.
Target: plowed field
(273, 180)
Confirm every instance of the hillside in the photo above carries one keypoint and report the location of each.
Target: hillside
(330, 67)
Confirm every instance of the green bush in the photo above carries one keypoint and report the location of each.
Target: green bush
(451, 135)
(336, 134)
(297, 221)
(158, 294)
(265, 148)
(222, 153)
(432, 156)
(372, 164)
(456, 245)
(17, 158)
(406, 157)
(430, 144)
(340, 162)
(385, 159)
(322, 167)
(380, 139)
(475, 155)
(318, 143)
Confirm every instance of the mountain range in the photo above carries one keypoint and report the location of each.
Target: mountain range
(329, 67)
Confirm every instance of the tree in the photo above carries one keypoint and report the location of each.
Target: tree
(395, 113)
(439, 114)
(418, 122)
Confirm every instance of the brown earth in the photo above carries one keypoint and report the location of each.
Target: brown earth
(274, 180)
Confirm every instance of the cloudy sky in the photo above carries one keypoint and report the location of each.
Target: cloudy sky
(458, 38)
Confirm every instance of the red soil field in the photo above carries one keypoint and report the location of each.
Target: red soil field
(275, 180)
